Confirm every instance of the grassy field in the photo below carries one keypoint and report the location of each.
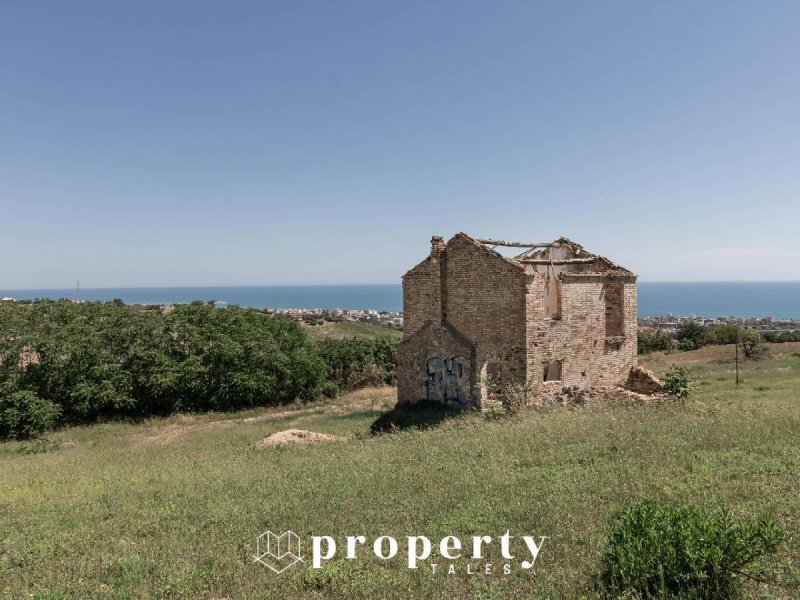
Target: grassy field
(350, 329)
(172, 507)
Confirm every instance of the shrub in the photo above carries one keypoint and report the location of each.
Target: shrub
(97, 360)
(352, 363)
(330, 389)
(77, 363)
(784, 336)
(654, 341)
(691, 336)
(732, 334)
(671, 551)
(24, 415)
(677, 382)
(517, 396)
(370, 375)
(754, 349)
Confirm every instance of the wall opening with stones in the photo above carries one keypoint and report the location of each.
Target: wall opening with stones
(552, 371)
(492, 382)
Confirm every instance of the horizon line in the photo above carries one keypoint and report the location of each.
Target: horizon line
(258, 285)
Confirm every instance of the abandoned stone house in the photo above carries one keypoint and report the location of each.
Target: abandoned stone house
(553, 315)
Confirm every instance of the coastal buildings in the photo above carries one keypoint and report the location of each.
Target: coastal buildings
(374, 317)
(549, 316)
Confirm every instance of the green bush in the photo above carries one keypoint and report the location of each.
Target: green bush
(99, 360)
(731, 334)
(782, 337)
(104, 360)
(691, 336)
(24, 415)
(654, 341)
(671, 551)
(352, 363)
(330, 389)
(678, 382)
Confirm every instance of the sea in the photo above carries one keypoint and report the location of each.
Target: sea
(777, 299)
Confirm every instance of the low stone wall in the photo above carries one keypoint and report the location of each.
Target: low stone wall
(643, 381)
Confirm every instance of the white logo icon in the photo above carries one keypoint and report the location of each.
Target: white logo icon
(278, 552)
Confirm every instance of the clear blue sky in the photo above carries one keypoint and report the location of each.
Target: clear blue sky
(204, 143)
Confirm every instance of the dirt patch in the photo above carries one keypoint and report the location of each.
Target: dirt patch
(298, 436)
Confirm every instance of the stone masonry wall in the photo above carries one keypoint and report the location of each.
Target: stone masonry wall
(589, 358)
(469, 314)
(433, 341)
(421, 296)
(482, 298)
(486, 304)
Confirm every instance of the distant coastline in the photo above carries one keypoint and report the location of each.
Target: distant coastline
(777, 299)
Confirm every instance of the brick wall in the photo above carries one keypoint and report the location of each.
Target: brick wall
(421, 295)
(578, 339)
(483, 300)
(434, 340)
(469, 301)
(486, 303)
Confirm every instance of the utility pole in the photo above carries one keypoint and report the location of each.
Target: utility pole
(77, 290)
(737, 357)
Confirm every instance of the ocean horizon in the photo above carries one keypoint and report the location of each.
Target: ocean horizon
(777, 299)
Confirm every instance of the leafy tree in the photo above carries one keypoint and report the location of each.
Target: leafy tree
(691, 336)
(731, 334)
(96, 360)
(24, 415)
(355, 362)
(654, 341)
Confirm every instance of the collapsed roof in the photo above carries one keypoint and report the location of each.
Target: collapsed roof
(562, 256)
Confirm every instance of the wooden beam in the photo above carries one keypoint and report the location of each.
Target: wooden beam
(561, 261)
(513, 244)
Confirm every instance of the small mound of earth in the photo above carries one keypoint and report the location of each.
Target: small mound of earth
(298, 436)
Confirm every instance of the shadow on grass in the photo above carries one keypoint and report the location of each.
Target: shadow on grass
(422, 415)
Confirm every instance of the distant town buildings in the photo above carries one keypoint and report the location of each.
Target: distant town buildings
(388, 318)
(671, 323)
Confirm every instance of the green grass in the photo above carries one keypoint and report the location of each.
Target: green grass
(171, 507)
(348, 329)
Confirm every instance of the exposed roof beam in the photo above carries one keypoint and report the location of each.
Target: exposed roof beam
(560, 261)
(525, 253)
(513, 244)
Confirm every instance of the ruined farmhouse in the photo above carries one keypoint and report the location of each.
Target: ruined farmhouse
(549, 315)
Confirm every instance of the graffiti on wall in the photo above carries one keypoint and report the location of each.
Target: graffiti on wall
(449, 379)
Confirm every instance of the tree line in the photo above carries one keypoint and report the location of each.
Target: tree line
(691, 336)
(64, 362)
